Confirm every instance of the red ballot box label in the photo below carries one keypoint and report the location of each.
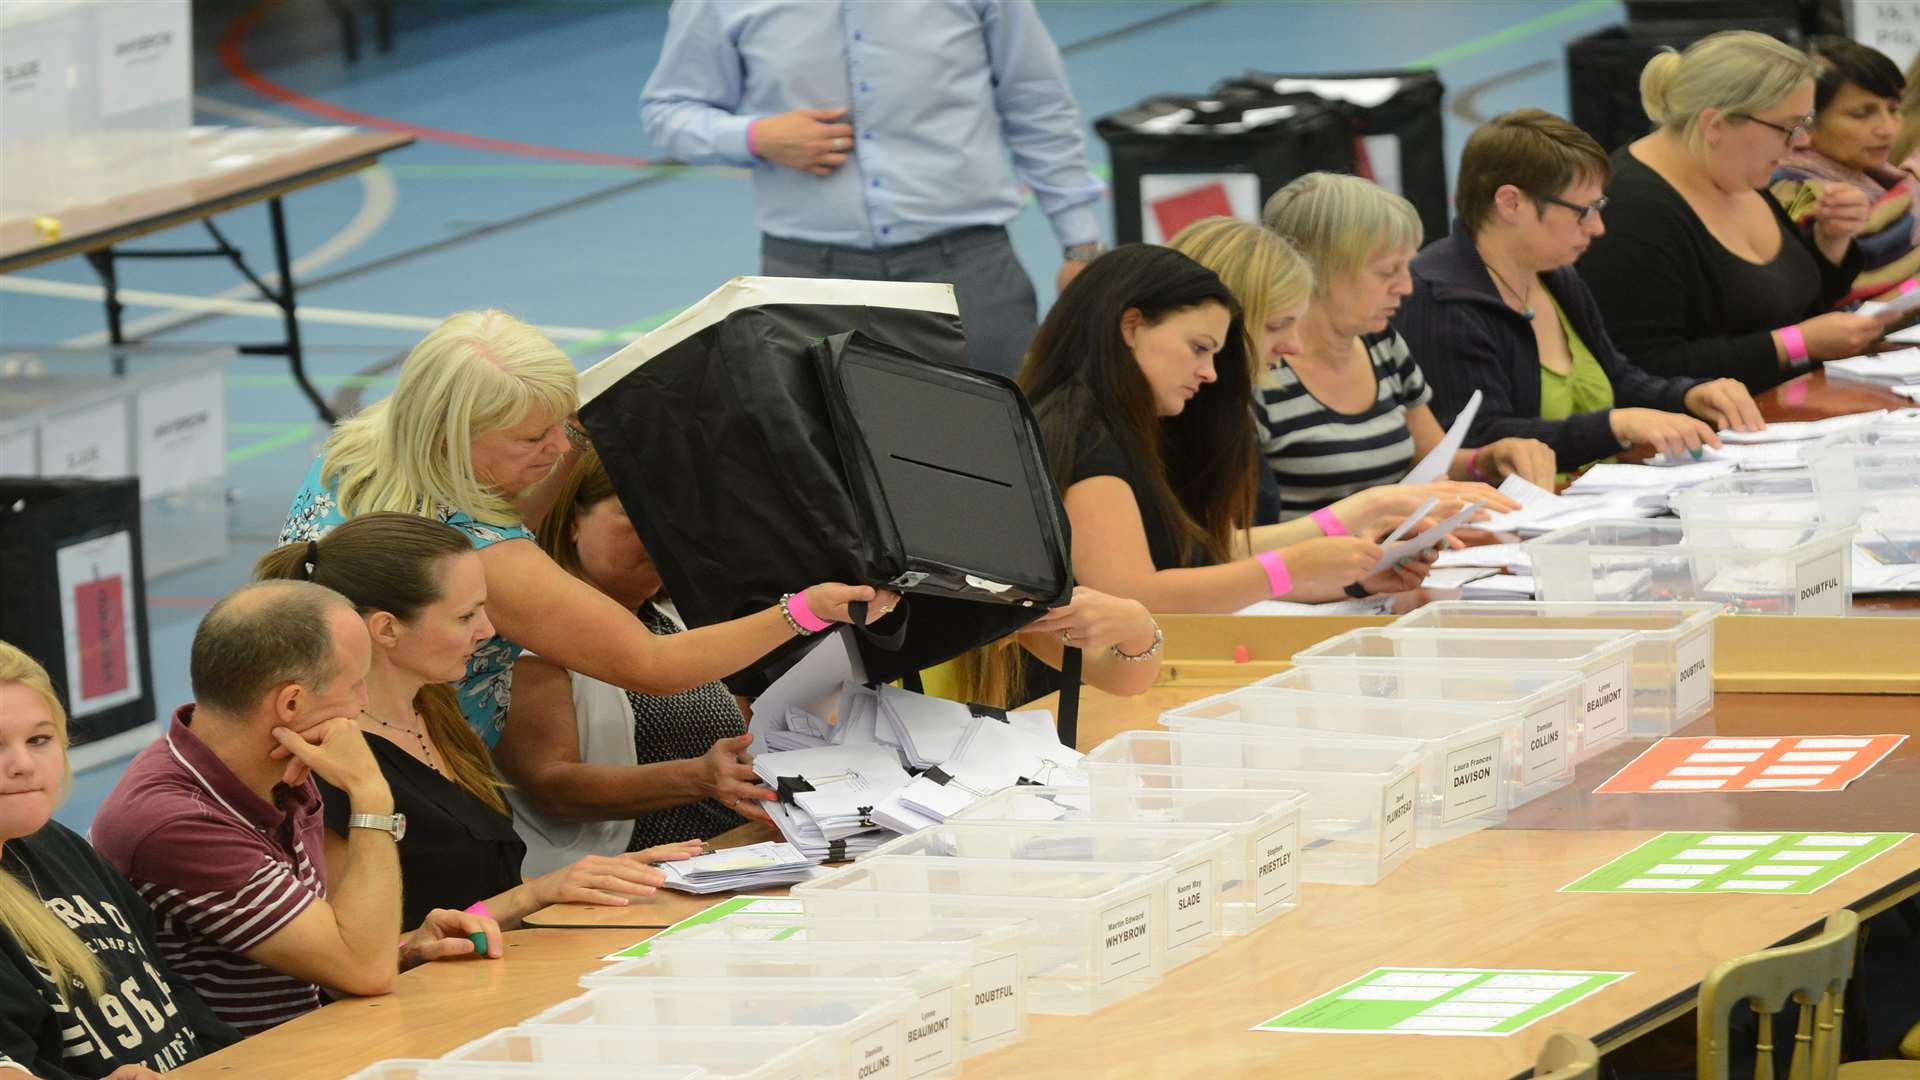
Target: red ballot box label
(100, 613)
(1751, 763)
(1176, 212)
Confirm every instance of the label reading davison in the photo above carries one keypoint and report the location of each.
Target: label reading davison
(1276, 876)
(1547, 738)
(1126, 932)
(995, 1010)
(930, 1033)
(1396, 815)
(1191, 902)
(1693, 677)
(1604, 707)
(1817, 589)
(876, 1055)
(1472, 781)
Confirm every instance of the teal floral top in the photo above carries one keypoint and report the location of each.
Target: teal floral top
(488, 685)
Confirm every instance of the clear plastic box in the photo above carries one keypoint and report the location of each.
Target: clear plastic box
(1100, 933)
(1672, 660)
(1750, 567)
(865, 1026)
(1262, 870)
(1196, 854)
(717, 1053)
(1838, 460)
(1470, 756)
(415, 1069)
(996, 951)
(1358, 823)
(1603, 660)
(1884, 500)
(1546, 700)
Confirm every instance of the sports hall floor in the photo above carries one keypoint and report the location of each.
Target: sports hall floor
(557, 217)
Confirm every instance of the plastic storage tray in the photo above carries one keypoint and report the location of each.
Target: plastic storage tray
(1602, 659)
(414, 1069)
(717, 1053)
(1672, 660)
(865, 1027)
(1878, 500)
(1838, 460)
(1196, 854)
(936, 977)
(1752, 567)
(1358, 823)
(1547, 702)
(1100, 935)
(1470, 756)
(1262, 870)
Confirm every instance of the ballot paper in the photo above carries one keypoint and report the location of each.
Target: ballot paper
(1407, 523)
(1541, 511)
(1612, 476)
(1802, 430)
(1369, 605)
(1878, 568)
(1454, 577)
(1496, 556)
(755, 866)
(1499, 587)
(1899, 305)
(813, 685)
(1440, 459)
(928, 730)
(1398, 550)
(827, 794)
(992, 755)
(1898, 368)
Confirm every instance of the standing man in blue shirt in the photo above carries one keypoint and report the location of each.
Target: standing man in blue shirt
(879, 136)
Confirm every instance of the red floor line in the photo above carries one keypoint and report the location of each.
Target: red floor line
(233, 58)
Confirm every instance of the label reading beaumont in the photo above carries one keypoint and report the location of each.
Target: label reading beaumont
(930, 1033)
(1547, 739)
(1126, 935)
(876, 1056)
(995, 1011)
(1604, 705)
(1190, 899)
(1472, 781)
(1693, 677)
(1817, 585)
(1396, 816)
(1276, 871)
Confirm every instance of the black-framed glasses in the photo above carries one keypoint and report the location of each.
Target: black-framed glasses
(1803, 127)
(1588, 213)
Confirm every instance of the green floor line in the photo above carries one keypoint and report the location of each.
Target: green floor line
(290, 435)
(1517, 32)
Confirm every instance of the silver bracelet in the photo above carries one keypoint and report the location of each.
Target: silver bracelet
(1153, 650)
(786, 613)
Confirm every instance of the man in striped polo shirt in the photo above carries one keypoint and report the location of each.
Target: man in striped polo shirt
(218, 824)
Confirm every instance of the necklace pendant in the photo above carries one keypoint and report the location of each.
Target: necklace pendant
(1526, 313)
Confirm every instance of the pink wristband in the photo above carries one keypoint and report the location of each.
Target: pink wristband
(802, 614)
(752, 147)
(478, 907)
(1279, 580)
(1908, 286)
(1795, 341)
(1329, 524)
(1473, 466)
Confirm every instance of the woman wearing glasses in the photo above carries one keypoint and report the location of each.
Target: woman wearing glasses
(1497, 307)
(1701, 272)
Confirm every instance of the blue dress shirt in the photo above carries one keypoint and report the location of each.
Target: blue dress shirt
(939, 92)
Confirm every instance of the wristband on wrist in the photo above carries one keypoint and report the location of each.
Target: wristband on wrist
(753, 147)
(1329, 523)
(800, 616)
(1795, 341)
(1279, 578)
(1473, 467)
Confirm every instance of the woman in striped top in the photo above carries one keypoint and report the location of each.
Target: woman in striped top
(1350, 410)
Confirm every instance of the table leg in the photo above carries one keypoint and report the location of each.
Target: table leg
(349, 30)
(102, 262)
(283, 263)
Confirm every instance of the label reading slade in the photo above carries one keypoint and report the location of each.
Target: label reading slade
(995, 1010)
(1693, 677)
(1276, 876)
(930, 1033)
(876, 1055)
(1604, 706)
(1817, 585)
(1126, 935)
(1396, 815)
(1472, 781)
(1546, 732)
(1190, 899)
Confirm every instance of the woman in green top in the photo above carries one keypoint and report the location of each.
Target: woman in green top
(1497, 307)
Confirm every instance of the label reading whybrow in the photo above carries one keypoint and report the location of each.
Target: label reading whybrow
(1126, 934)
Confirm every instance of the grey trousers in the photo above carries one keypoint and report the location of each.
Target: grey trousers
(997, 303)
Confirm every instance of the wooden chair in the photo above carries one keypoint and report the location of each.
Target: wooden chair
(1567, 1057)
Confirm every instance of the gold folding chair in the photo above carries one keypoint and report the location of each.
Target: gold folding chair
(1567, 1057)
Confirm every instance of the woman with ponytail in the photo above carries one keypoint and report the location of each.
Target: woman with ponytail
(1700, 271)
(422, 591)
(93, 967)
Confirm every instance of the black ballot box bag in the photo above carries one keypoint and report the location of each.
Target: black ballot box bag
(1179, 159)
(1398, 139)
(785, 432)
(73, 596)
(1603, 69)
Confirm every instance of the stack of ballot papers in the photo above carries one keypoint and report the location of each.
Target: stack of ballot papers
(1369, 605)
(796, 729)
(1898, 368)
(1649, 484)
(927, 731)
(992, 755)
(756, 866)
(827, 795)
(1508, 557)
(1541, 511)
(1499, 587)
(1801, 430)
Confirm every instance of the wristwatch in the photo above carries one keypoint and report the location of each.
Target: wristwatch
(395, 823)
(1083, 252)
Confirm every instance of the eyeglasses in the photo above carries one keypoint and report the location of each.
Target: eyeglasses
(1800, 128)
(1588, 214)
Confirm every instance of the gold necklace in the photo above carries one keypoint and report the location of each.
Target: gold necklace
(427, 751)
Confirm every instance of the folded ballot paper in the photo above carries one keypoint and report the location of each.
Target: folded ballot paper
(928, 731)
(756, 866)
(827, 795)
(993, 754)
(1541, 511)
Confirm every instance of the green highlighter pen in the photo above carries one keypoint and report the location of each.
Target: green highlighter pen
(479, 937)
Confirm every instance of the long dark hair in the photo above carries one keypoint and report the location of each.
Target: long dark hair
(1199, 469)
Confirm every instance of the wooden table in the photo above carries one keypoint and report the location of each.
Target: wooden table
(1813, 396)
(274, 162)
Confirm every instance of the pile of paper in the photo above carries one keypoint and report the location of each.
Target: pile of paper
(1801, 430)
(927, 731)
(1898, 368)
(755, 866)
(1370, 605)
(1499, 587)
(1649, 483)
(1541, 511)
(991, 755)
(827, 795)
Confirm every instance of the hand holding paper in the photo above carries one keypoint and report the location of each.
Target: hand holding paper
(1440, 459)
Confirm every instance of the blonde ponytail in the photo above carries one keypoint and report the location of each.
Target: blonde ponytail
(23, 917)
(1656, 79)
(1736, 72)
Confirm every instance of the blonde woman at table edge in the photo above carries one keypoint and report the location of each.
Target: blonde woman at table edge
(476, 434)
